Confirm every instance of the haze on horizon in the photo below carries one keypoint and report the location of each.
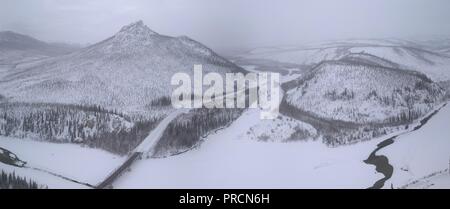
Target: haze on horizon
(229, 23)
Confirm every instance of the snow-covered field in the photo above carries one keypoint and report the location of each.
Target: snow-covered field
(227, 159)
(73, 161)
(422, 152)
(438, 181)
(230, 159)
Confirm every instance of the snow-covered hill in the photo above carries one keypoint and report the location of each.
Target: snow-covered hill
(362, 93)
(127, 70)
(411, 55)
(16, 48)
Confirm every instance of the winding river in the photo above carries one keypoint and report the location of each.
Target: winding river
(381, 162)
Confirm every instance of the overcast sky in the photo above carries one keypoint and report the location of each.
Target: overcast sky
(229, 22)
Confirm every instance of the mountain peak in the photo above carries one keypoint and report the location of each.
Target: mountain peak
(137, 28)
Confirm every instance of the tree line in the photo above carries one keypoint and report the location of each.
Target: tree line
(12, 181)
(188, 129)
(91, 126)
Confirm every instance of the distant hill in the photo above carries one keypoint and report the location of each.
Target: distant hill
(15, 48)
(408, 54)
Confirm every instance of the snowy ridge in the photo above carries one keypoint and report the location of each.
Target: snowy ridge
(368, 59)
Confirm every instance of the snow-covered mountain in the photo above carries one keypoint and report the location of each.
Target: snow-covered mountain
(359, 92)
(15, 48)
(129, 69)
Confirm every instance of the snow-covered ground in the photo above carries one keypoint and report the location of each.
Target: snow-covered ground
(281, 129)
(79, 163)
(440, 180)
(228, 159)
(422, 152)
(43, 179)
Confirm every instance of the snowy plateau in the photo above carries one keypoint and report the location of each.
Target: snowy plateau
(100, 116)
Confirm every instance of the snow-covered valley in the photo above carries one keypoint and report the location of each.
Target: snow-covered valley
(76, 118)
(229, 159)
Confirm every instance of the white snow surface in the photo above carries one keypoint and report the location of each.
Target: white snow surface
(422, 152)
(80, 163)
(438, 181)
(228, 159)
